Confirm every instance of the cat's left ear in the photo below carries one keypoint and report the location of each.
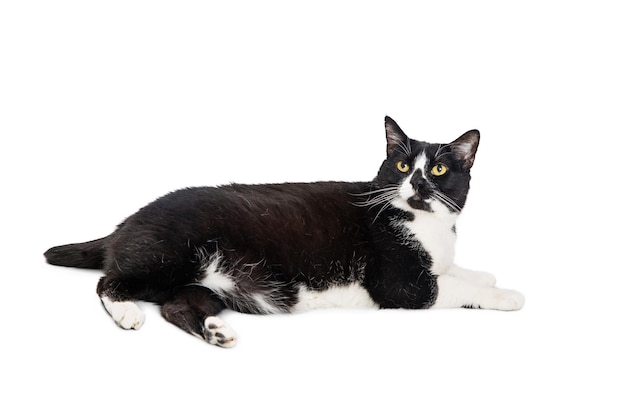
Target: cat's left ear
(464, 148)
(395, 136)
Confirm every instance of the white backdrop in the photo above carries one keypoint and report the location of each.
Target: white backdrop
(105, 106)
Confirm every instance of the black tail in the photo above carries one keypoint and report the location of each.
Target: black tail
(88, 255)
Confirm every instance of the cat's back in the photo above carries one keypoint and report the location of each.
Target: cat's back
(304, 198)
(317, 207)
(259, 197)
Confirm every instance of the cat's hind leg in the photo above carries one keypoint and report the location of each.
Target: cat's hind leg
(455, 292)
(140, 265)
(194, 309)
(126, 314)
(115, 294)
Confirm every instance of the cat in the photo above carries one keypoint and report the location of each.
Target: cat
(279, 248)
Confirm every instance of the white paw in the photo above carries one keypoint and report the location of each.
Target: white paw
(126, 314)
(219, 333)
(480, 278)
(484, 279)
(506, 300)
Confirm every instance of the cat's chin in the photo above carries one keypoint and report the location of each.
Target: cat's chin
(418, 203)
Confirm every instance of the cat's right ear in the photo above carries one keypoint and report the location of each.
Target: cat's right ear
(395, 135)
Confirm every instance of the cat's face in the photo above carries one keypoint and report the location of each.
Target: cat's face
(423, 176)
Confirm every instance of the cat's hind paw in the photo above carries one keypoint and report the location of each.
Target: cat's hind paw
(216, 332)
(126, 314)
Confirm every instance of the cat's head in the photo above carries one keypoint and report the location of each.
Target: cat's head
(424, 176)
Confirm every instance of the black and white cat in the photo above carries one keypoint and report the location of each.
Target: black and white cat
(281, 248)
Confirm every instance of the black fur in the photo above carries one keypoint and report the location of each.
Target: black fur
(275, 239)
(88, 255)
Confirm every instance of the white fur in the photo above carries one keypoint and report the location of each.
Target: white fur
(264, 306)
(420, 163)
(225, 285)
(434, 233)
(483, 279)
(215, 280)
(432, 229)
(458, 287)
(219, 333)
(353, 295)
(406, 189)
(406, 192)
(126, 314)
(457, 292)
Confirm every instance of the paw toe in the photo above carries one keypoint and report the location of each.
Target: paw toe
(216, 332)
(509, 300)
(487, 279)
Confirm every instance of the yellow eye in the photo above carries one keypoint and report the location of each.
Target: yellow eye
(402, 166)
(439, 169)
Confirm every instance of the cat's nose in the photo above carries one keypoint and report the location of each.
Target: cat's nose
(420, 184)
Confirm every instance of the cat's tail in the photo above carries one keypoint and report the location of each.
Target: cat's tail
(88, 255)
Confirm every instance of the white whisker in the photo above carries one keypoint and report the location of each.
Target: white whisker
(383, 208)
(443, 154)
(375, 191)
(381, 197)
(442, 147)
(446, 201)
(373, 201)
(403, 147)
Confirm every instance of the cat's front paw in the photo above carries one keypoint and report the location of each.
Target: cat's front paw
(484, 279)
(480, 278)
(505, 300)
(216, 332)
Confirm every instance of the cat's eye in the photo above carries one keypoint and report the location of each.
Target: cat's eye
(439, 169)
(402, 167)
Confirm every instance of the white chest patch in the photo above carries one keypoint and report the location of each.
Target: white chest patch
(434, 233)
(353, 295)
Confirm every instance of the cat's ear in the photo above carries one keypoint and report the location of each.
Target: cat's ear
(395, 135)
(464, 148)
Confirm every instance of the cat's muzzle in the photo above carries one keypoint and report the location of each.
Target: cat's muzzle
(419, 202)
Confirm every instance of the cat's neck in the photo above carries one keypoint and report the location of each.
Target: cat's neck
(435, 233)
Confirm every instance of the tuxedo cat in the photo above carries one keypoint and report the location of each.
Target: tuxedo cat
(279, 248)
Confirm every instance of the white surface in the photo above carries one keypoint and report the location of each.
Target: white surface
(106, 107)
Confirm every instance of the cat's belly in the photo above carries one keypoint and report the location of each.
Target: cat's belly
(352, 296)
(253, 291)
